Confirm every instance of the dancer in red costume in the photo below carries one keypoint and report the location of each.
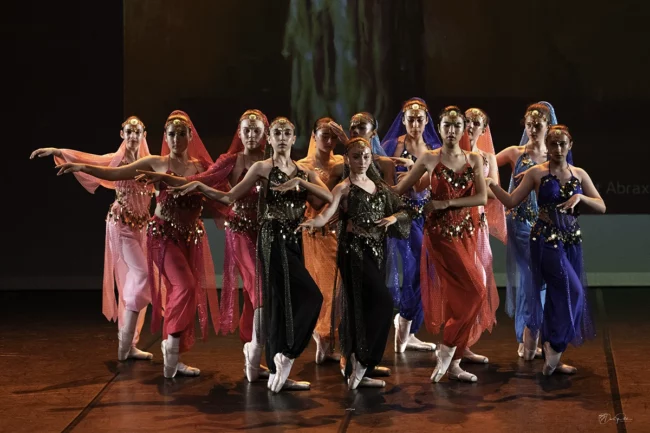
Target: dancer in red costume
(181, 271)
(451, 276)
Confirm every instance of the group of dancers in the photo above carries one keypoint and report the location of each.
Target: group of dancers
(328, 246)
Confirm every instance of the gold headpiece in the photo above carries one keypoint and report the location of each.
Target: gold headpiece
(358, 140)
(414, 105)
(558, 132)
(282, 121)
(134, 121)
(474, 113)
(536, 114)
(453, 113)
(361, 118)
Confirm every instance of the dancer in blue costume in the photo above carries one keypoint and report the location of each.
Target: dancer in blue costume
(556, 249)
(520, 219)
(410, 136)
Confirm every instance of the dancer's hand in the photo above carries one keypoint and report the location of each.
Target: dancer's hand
(150, 177)
(293, 184)
(69, 167)
(386, 222)
(45, 151)
(191, 187)
(520, 175)
(435, 205)
(310, 225)
(338, 131)
(489, 182)
(570, 203)
(404, 162)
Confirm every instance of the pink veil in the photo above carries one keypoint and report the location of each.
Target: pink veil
(494, 210)
(89, 182)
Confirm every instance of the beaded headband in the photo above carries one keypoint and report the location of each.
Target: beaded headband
(282, 121)
(133, 121)
(475, 113)
(414, 104)
(254, 115)
(361, 118)
(359, 141)
(537, 115)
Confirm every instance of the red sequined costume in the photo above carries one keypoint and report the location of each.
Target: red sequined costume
(451, 275)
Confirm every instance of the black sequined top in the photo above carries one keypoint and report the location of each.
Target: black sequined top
(364, 209)
(285, 210)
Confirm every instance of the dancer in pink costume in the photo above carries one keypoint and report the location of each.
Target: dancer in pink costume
(492, 221)
(125, 251)
(241, 228)
(181, 271)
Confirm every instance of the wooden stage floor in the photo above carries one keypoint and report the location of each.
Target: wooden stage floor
(59, 373)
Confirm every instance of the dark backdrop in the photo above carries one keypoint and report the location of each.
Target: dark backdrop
(84, 66)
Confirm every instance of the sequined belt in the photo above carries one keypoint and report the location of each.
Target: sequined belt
(553, 234)
(282, 229)
(416, 204)
(188, 233)
(523, 213)
(451, 226)
(119, 214)
(356, 243)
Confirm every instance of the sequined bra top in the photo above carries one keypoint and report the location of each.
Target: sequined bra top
(181, 216)
(415, 200)
(131, 205)
(243, 213)
(446, 184)
(364, 209)
(554, 224)
(526, 211)
(285, 208)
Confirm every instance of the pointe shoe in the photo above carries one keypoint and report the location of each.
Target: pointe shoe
(444, 356)
(136, 353)
(322, 350)
(368, 382)
(552, 359)
(379, 372)
(457, 373)
(565, 369)
(342, 365)
(358, 371)
(402, 331)
(186, 370)
(520, 351)
(252, 357)
(283, 366)
(413, 343)
(125, 340)
(470, 356)
(530, 344)
(170, 359)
